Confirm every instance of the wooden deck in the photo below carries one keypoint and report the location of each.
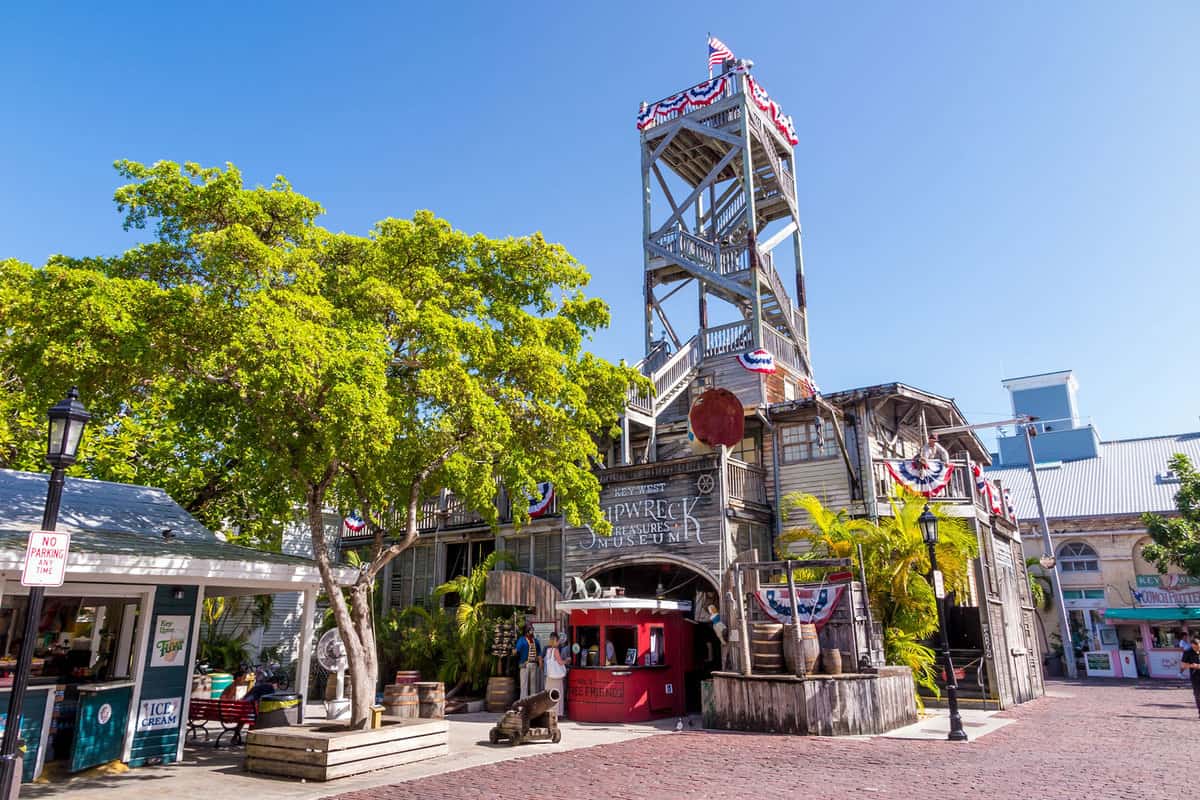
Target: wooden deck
(323, 752)
(820, 705)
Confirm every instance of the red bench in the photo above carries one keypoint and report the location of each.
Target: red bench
(233, 715)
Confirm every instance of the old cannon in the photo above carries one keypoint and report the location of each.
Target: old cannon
(529, 720)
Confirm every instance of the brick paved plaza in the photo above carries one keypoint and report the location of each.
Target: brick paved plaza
(1090, 740)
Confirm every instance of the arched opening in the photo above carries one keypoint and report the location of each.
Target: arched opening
(1078, 557)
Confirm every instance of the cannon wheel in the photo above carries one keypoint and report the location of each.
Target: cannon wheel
(515, 739)
(557, 737)
(494, 736)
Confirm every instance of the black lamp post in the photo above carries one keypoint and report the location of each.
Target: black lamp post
(67, 419)
(929, 532)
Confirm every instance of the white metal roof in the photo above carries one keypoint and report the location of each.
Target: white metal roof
(1128, 477)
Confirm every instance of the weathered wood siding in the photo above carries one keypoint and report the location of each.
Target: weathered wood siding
(726, 372)
(827, 478)
(668, 509)
(313, 754)
(842, 705)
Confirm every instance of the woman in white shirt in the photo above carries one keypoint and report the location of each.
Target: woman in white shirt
(556, 671)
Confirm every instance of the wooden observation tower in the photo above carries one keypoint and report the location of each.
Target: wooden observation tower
(720, 212)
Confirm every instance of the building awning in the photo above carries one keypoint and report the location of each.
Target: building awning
(1168, 614)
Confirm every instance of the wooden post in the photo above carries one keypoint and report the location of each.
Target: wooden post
(751, 219)
(791, 582)
(743, 624)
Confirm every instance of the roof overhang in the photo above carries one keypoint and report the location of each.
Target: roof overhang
(1161, 614)
(248, 574)
(624, 604)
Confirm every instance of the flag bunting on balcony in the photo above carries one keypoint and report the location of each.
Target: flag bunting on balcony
(815, 605)
(987, 492)
(539, 506)
(923, 476)
(759, 360)
(699, 96)
(354, 523)
(783, 122)
(809, 388)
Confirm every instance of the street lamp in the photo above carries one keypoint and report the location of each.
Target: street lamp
(67, 420)
(929, 532)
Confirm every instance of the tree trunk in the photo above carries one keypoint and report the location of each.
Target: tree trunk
(359, 653)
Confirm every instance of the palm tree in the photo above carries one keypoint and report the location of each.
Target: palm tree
(470, 661)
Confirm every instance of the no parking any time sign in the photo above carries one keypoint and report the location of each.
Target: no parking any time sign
(46, 558)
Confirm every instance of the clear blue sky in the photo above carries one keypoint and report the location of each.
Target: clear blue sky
(986, 190)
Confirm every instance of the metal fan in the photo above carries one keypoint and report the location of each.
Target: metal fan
(331, 654)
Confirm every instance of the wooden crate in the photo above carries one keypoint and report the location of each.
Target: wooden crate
(323, 752)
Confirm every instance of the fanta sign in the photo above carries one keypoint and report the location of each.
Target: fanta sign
(170, 641)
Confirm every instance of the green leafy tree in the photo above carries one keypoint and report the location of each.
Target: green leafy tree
(1176, 540)
(896, 560)
(247, 355)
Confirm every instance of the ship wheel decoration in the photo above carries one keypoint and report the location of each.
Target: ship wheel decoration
(704, 484)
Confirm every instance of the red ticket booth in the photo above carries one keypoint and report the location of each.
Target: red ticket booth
(629, 658)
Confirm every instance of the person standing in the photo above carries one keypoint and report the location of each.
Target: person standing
(1191, 663)
(933, 451)
(529, 653)
(556, 671)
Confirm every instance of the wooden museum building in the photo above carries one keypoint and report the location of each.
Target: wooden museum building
(695, 483)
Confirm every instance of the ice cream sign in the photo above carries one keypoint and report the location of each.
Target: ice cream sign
(169, 648)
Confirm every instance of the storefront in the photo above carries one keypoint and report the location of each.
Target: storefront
(1160, 628)
(117, 642)
(629, 658)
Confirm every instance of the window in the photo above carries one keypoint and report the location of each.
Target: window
(1083, 594)
(789, 390)
(539, 555)
(746, 450)
(657, 654)
(805, 441)
(1078, 557)
(620, 645)
(749, 536)
(413, 578)
(588, 639)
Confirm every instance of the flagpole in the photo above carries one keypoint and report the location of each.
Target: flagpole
(708, 60)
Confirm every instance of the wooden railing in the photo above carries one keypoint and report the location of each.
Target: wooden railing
(959, 490)
(745, 483)
(733, 86)
(667, 378)
(732, 338)
(703, 253)
(782, 348)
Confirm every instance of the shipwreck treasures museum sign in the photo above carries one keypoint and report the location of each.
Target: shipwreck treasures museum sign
(676, 516)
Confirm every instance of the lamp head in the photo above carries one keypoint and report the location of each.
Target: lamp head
(67, 419)
(929, 526)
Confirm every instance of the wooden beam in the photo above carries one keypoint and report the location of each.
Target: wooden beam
(662, 182)
(662, 316)
(691, 198)
(708, 131)
(900, 425)
(777, 239)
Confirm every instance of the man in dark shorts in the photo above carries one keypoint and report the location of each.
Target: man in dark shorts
(1191, 663)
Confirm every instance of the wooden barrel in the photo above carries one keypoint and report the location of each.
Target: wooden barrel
(501, 692)
(810, 646)
(766, 647)
(831, 662)
(431, 699)
(408, 676)
(400, 700)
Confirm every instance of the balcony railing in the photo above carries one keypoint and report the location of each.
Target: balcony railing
(960, 491)
(745, 482)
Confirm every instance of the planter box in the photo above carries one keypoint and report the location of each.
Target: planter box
(323, 752)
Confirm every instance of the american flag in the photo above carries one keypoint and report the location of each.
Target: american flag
(718, 53)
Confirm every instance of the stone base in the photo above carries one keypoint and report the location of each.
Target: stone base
(822, 705)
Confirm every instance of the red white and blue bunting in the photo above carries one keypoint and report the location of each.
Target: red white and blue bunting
(987, 492)
(809, 388)
(923, 476)
(540, 506)
(759, 360)
(782, 122)
(699, 96)
(354, 523)
(815, 605)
